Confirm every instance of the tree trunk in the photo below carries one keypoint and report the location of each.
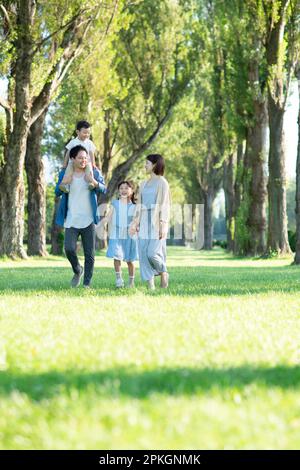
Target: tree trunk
(11, 178)
(107, 146)
(229, 169)
(36, 189)
(297, 254)
(277, 229)
(57, 233)
(277, 233)
(13, 197)
(256, 158)
(238, 190)
(209, 197)
(209, 178)
(251, 216)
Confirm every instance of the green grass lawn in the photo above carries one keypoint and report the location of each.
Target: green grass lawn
(211, 363)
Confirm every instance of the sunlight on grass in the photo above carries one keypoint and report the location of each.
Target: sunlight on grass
(213, 362)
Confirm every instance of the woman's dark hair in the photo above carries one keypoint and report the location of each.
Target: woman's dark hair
(82, 125)
(75, 151)
(159, 163)
(131, 185)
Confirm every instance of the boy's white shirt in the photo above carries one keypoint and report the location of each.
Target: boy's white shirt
(87, 144)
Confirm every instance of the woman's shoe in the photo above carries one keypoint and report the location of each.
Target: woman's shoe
(151, 285)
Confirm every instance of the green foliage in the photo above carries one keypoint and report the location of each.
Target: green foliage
(130, 82)
(154, 64)
(70, 106)
(221, 244)
(183, 146)
(53, 25)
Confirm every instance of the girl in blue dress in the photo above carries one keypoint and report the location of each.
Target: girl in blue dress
(121, 246)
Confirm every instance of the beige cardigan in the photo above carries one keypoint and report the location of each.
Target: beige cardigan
(163, 203)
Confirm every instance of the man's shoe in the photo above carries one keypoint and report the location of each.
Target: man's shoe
(77, 278)
(86, 286)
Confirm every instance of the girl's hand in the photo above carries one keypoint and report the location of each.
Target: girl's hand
(103, 221)
(163, 230)
(100, 232)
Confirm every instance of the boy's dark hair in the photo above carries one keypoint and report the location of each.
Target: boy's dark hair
(82, 125)
(159, 163)
(75, 151)
(131, 185)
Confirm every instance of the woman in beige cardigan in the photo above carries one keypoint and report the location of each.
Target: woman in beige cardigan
(151, 222)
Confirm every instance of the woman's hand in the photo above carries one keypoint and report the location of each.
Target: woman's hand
(133, 228)
(163, 230)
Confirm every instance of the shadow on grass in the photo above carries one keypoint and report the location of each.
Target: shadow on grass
(201, 255)
(137, 384)
(184, 281)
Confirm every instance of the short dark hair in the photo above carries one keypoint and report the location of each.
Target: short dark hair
(159, 163)
(82, 125)
(75, 150)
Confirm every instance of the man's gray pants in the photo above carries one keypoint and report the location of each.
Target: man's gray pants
(88, 243)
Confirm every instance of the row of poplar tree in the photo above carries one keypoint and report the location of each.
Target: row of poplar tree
(205, 82)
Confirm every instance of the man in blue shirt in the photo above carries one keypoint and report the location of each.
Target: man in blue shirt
(77, 212)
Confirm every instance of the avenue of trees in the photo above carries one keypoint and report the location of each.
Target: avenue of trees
(204, 82)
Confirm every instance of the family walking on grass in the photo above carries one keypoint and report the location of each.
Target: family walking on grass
(137, 229)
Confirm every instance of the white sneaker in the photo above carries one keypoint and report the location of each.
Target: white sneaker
(119, 282)
(131, 282)
(151, 284)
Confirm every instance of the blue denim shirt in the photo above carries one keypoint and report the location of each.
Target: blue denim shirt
(63, 205)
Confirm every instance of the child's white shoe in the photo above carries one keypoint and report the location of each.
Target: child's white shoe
(151, 284)
(131, 281)
(119, 282)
